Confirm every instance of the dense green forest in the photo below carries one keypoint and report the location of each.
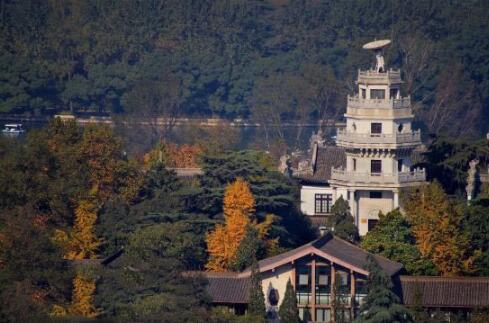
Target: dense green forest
(272, 60)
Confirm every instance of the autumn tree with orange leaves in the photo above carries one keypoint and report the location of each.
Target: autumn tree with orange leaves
(239, 208)
(436, 227)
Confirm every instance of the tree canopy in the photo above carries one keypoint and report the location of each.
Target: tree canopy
(269, 60)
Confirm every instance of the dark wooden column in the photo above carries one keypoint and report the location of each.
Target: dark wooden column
(332, 296)
(353, 292)
(313, 292)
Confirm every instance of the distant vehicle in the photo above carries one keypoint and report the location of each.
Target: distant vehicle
(13, 128)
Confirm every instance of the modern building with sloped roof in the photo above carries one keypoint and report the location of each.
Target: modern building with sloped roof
(316, 267)
(312, 269)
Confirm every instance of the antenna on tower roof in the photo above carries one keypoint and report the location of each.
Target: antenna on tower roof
(377, 46)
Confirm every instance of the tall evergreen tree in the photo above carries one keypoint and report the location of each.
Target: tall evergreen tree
(338, 304)
(341, 221)
(288, 311)
(250, 248)
(256, 303)
(381, 304)
(393, 238)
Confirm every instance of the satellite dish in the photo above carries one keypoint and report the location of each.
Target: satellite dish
(377, 46)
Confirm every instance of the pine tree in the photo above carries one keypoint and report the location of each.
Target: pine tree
(256, 303)
(338, 302)
(341, 221)
(381, 304)
(288, 311)
(251, 247)
(307, 314)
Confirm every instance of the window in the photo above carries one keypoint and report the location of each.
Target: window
(377, 94)
(372, 223)
(323, 289)
(364, 93)
(343, 281)
(354, 164)
(360, 289)
(376, 195)
(400, 127)
(302, 311)
(376, 128)
(393, 93)
(303, 285)
(399, 165)
(375, 166)
(323, 315)
(323, 203)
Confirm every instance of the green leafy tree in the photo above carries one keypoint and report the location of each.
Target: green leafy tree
(274, 194)
(475, 224)
(33, 274)
(149, 279)
(288, 311)
(447, 161)
(393, 239)
(250, 248)
(381, 304)
(341, 221)
(307, 315)
(338, 304)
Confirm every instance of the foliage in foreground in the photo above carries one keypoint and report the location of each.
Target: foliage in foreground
(436, 225)
(381, 304)
(392, 238)
(341, 221)
(288, 311)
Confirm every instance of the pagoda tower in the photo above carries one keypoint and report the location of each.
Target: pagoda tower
(378, 141)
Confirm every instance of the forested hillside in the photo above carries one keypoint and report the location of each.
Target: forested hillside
(272, 60)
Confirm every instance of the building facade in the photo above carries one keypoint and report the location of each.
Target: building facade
(372, 161)
(313, 269)
(330, 272)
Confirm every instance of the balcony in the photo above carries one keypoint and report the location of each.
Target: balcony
(363, 179)
(374, 77)
(356, 102)
(381, 140)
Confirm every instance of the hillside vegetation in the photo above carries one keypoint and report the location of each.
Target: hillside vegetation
(271, 60)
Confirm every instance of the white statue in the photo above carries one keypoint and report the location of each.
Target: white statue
(471, 179)
(380, 61)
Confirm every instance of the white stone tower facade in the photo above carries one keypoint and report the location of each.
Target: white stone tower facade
(378, 141)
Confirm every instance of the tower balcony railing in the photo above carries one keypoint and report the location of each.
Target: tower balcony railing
(347, 137)
(418, 175)
(357, 102)
(391, 76)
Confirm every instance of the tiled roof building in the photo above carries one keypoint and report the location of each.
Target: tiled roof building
(315, 267)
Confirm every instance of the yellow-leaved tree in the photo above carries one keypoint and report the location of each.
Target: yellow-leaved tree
(239, 208)
(99, 153)
(84, 243)
(436, 227)
(223, 242)
(82, 298)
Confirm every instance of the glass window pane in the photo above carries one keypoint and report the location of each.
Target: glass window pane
(377, 94)
(376, 166)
